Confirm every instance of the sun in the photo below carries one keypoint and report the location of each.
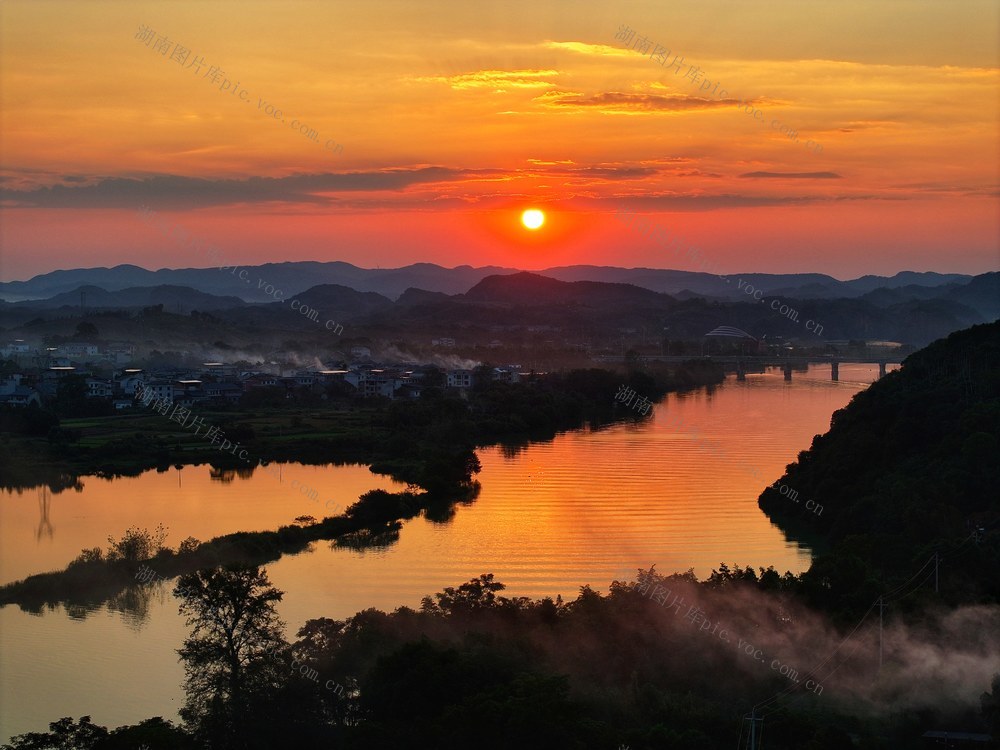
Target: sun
(532, 218)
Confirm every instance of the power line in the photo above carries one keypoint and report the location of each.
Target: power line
(821, 664)
(882, 601)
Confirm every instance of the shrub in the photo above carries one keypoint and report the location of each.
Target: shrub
(92, 555)
(137, 544)
(188, 545)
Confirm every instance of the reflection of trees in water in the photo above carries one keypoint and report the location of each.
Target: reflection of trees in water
(133, 602)
(511, 450)
(228, 474)
(369, 539)
(80, 610)
(442, 509)
(218, 474)
(90, 582)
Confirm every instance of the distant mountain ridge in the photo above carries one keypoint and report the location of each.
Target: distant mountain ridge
(294, 277)
(180, 299)
(907, 313)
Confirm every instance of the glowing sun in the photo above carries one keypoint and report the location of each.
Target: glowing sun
(532, 218)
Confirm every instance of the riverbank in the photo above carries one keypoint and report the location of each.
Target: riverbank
(402, 437)
(427, 444)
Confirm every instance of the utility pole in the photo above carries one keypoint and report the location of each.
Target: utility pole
(936, 560)
(881, 606)
(753, 729)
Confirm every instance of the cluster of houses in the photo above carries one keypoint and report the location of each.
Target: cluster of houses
(21, 351)
(219, 382)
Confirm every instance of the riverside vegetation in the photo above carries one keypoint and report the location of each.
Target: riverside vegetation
(427, 443)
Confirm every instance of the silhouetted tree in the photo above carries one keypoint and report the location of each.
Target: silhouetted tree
(85, 330)
(71, 396)
(64, 733)
(233, 660)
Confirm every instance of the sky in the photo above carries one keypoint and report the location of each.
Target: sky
(780, 136)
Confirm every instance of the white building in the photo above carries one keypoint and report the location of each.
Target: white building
(128, 383)
(15, 348)
(459, 379)
(10, 384)
(99, 388)
(160, 390)
(80, 349)
(507, 374)
(20, 397)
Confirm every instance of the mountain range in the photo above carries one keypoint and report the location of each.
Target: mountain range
(294, 277)
(910, 307)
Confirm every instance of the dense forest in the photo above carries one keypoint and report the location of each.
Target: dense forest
(908, 469)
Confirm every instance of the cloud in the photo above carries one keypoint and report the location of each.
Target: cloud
(794, 175)
(614, 101)
(171, 191)
(583, 48)
(681, 202)
(607, 173)
(498, 80)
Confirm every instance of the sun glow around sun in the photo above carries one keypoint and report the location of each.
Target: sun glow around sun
(532, 218)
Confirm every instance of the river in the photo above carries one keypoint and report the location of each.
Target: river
(678, 490)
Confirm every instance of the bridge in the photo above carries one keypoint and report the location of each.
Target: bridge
(741, 363)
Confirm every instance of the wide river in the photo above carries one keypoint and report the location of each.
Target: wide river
(584, 508)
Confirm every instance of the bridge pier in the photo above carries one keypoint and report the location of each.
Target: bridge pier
(835, 371)
(788, 371)
(881, 369)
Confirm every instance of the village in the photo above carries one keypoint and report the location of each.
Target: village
(33, 373)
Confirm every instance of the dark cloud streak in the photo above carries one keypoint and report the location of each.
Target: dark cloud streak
(794, 175)
(614, 100)
(177, 192)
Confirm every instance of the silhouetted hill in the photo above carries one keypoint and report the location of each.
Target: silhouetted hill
(414, 296)
(982, 293)
(911, 314)
(180, 299)
(295, 277)
(533, 289)
(289, 277)
(869, 283)
(887, 297)
(342, 300)
(910, 465)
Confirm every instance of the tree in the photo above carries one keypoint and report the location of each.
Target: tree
(137, 544)
(234, 660)
(63, 734)
(991, 706)
(474, 595)
(71, 396)
(85, 330)
(153, 734)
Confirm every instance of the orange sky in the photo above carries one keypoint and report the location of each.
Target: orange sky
(454, 117)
